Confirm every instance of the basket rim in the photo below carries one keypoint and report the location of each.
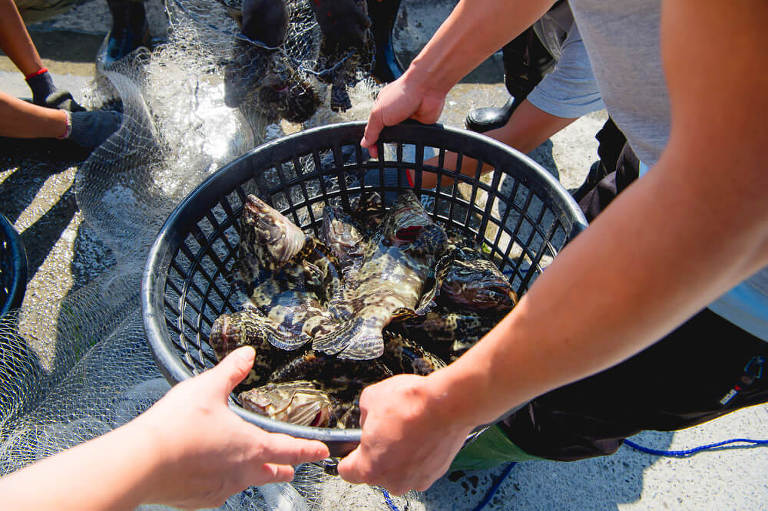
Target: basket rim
(18, 265)
(169, 239)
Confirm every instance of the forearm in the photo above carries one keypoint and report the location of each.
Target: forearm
(20, 119)
(473, 31)
(596, 306)
(689, 230)
(15, 40)
(112, 472)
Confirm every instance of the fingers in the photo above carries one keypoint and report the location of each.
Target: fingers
(231, 371)
(287, 450)
(273, 473)
(372, 130)
(349, 468)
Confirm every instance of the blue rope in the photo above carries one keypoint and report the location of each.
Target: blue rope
(389, 501)
(648, 450)
(691, 452)
(488, 496)
(492, 491)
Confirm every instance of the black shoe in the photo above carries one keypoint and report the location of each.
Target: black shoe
(129, 30)
(481, 120)
(383, 16)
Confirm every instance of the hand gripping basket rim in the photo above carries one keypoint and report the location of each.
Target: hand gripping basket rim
(205, 196)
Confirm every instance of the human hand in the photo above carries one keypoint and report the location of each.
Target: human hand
(207, 453)
(91, 129)
(45, 93)
(409, 436)
(398, 101)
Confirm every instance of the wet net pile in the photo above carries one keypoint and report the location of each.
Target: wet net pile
(74, 361)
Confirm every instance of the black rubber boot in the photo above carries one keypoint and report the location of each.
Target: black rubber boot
(489, 118)
(129, 29)
(526, 61)
(383, 14)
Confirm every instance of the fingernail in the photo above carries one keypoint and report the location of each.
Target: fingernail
(245, 355)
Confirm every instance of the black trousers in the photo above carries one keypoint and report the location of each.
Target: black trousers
(704, 369)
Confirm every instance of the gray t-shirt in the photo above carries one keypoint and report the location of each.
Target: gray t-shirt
(622, 38)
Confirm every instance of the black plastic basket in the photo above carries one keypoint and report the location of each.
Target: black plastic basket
(13, 267)
(522, 215)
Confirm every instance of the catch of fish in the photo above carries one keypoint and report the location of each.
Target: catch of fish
(378, 293)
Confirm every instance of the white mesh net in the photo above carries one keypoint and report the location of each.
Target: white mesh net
(74, 361)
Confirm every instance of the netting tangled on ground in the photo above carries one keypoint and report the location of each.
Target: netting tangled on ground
(77, 365)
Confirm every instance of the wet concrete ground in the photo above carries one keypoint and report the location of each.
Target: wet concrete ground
(36, 194)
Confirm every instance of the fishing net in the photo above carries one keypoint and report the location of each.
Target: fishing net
(74, 361)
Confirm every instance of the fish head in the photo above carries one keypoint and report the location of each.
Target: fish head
(476, 284)
(298, 402)
(409, 226)
(341, 234)
(268, 236)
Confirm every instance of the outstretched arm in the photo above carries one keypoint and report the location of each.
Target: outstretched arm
(473, 31)
(15, 40)
(189, 450)
(693, 227)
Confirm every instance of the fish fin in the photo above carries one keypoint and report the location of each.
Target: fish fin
(356, 339)
(279, 337)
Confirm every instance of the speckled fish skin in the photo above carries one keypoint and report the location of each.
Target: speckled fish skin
(268, 239)
(298, 402)
(342, 380)
(467, 279)
(287, 275)
(249, 328)
(397, 262)
(403, 356)
(445, 333)
(344, 238)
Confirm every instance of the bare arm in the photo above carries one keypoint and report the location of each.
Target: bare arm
(20, 119)
(472, 32)
(15, 40)
(189, 450)
(695, 226)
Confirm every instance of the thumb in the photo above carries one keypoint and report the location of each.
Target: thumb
(231, 371)
(348, 467)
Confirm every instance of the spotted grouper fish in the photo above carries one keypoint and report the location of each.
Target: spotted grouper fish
(465, 278)
(397, 262)
(288, 275)
(298, 402)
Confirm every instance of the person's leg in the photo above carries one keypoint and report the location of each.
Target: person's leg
(383, 14)
(526, 59)
(525, 63)
(603, 185)
(683, 380)
(527, 128)
(129, 29)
